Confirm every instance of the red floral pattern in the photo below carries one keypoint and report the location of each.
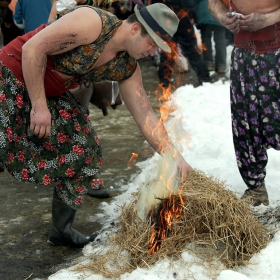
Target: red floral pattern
(64, 157)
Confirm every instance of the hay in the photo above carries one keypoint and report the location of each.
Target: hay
(214, 224)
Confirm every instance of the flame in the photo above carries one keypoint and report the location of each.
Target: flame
(204, 48)
(169, 212)
(132, 160)
(164, 112)
(182, 13)
(160, 199)
(198, 49)
(165, 94)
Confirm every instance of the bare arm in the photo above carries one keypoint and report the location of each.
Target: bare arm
(53, 12)
(72, 30)
(257, 21)
(220, 12)
(150, 125)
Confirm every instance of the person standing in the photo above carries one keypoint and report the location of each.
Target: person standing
(210, 28)
(29, 14)
(254, 87)
(185, 37)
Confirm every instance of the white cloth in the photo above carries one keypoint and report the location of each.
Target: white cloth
(64, 4)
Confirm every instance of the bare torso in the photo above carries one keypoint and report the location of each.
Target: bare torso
(256, 6)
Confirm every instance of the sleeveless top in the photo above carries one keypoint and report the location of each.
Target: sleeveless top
(76, 62)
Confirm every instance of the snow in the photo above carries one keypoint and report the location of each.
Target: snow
(200, 127)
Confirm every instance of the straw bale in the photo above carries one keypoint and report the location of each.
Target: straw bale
(214, 224)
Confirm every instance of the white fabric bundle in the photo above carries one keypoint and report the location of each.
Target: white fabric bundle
(64, 4)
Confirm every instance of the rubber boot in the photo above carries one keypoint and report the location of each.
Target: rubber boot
(62, 233)
(256, 196)
(101, 193)
(97, 188)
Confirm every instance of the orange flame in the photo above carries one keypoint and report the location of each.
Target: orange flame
(182, 13)
(166, 92)
(132, 160)
(164, 112)
(169, 212)
(169, 209)
(204, 48)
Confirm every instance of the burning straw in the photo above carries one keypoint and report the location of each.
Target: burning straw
(211, 222)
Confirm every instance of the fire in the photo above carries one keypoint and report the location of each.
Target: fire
(182, 13)
(160, 200)
(165, 94)
(167, 213)
(164, 207)
(164, 112)
(132, 160)
(204, 48)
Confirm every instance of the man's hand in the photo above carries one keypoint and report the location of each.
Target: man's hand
(232, 23)
(253, 22)
(40, 121)
(183, 165)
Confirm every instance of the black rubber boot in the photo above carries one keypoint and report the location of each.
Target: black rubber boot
(62, 233)
(101, 193)
(97, 189)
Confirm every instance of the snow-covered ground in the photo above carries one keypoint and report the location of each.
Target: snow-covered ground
(200, 128)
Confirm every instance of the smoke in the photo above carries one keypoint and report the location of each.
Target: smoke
(167, 182)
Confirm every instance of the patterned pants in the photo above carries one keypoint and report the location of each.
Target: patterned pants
(255, 109)
(70, 156)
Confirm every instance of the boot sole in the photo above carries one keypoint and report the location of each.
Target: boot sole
(59, 242)
(55, 242)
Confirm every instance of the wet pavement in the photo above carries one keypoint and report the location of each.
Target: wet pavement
(25, 218)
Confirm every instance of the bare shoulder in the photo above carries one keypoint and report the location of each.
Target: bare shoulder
(256, 6)
(80, 27)
(82, 15)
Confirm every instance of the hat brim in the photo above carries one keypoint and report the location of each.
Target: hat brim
(159, 41)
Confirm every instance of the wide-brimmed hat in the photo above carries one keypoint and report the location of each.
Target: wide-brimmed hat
(160, 22)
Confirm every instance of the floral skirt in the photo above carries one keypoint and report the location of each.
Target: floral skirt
(70, 156)
(255, 108)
